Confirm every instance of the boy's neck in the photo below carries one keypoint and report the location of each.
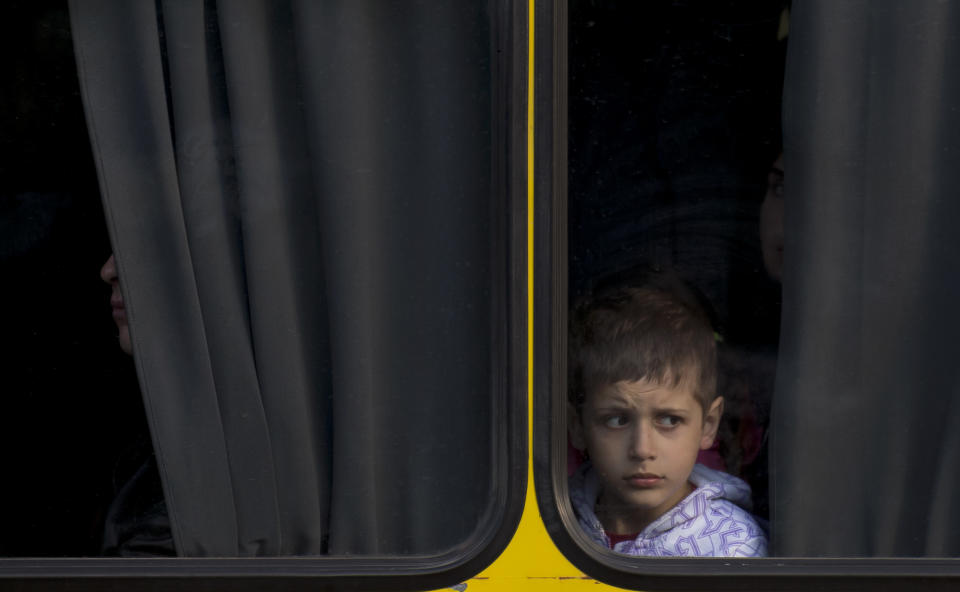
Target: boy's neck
(618, 519)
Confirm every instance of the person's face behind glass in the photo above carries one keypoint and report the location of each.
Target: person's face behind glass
(771, 221)
(108, 273)
(643, 439)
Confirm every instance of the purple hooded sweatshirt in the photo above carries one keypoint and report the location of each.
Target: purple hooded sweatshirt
(713, 521)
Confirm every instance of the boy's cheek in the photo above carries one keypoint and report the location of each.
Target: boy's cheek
(606, 446)
(594, 437)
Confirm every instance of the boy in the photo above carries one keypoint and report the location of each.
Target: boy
(643, 404)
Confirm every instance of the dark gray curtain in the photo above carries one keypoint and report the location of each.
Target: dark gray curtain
(298, 195)
(866, 427)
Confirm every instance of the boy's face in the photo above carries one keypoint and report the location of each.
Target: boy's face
(643, 440)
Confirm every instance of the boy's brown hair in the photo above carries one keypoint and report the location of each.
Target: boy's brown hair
(649, 329)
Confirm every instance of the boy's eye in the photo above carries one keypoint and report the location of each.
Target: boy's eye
(669, 421)
(615, 421)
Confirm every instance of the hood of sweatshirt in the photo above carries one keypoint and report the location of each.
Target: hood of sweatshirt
(711, 486)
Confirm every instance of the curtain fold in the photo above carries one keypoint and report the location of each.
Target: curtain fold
(299, 200)
(864, 449)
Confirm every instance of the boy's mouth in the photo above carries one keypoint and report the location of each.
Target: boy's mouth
(644, 480)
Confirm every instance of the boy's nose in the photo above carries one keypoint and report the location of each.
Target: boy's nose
(641, 443)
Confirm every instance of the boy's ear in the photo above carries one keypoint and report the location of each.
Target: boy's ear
(711, 422)
(575, 428)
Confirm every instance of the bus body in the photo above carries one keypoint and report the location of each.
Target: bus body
(528, 118)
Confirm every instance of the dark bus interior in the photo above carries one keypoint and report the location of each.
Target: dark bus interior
(73, 422)
(674, 117)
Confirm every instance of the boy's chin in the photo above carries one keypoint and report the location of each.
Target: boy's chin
(642, 505)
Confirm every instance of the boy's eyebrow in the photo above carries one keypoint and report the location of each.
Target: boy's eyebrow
(611, 407)
(672, 410)
(776, 171)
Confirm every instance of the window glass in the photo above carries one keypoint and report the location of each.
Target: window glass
(258, 300)
(813, 247)
(673, 127)
(72, 415)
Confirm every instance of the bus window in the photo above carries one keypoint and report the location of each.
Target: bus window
(673, 123)
(314, 262)
(821, 257)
